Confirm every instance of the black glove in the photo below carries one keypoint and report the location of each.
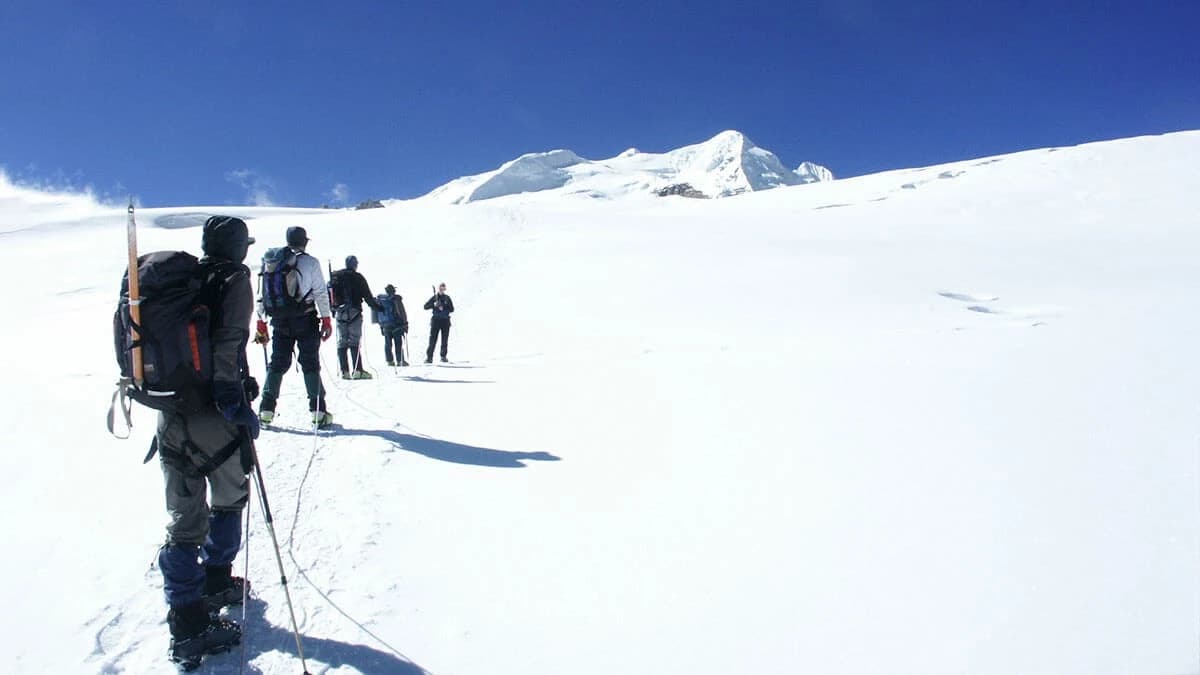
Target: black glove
(404, 329)
(250, 387)
(230, 398)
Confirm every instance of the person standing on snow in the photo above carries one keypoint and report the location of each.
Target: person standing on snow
(393, 323)
(207, 451)
(442, 307)
(304, 324)
(350, 290)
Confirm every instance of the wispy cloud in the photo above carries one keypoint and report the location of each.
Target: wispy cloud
(338, 194)
(257, 186)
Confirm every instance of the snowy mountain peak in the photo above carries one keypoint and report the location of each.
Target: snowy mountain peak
(813, 173)
(730, 164)
(730, 138)
(725, 165)
(532, 172)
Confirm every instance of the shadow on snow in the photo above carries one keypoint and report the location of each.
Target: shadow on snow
(260, 637)
(418, 378)
(434, 448)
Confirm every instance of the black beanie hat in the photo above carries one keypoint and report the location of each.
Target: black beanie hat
(226, 237)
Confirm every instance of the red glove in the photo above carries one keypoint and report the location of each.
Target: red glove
(326, 328)
(260, 334)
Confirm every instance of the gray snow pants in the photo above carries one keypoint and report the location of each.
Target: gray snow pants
(187, 447)
(349, 328)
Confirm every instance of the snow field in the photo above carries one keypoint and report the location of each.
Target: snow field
(847, 427)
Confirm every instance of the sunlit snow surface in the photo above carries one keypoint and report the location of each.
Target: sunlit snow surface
(940, 420)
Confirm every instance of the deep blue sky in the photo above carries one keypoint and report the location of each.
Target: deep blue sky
(208, 101)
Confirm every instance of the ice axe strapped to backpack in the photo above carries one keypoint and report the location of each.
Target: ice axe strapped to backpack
(161, 331)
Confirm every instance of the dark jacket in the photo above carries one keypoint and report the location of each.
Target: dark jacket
(442, 306)
(231, 326)
(358, 290)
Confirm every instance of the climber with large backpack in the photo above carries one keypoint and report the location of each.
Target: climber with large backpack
(393, 323)
(180, 330)
(294, 297)
(348, 290)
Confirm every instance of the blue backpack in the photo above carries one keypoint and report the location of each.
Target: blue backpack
(387, 317)
(279, 283)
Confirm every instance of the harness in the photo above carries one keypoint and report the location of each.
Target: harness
(184, 459)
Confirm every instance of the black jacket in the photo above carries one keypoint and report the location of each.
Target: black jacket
(442, 306)
(358, 290)
(401, 315)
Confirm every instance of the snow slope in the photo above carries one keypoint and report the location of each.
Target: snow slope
(939, 420)
(725, 165)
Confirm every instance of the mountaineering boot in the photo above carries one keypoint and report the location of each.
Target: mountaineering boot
(392, 364)
(221, 588)
(346, 375)
(265, 417)
(361, 375)
(429, 360)
(445, 360)
(195, 633)
(323, 419)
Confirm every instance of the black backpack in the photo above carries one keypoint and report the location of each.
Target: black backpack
(339, 289)
(280, 283)
(179, 296)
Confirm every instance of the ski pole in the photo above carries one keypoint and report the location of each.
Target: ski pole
(245, 575)
(362, 345)
(266, 509)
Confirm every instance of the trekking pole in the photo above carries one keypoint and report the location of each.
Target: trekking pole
(362, 349)
(245, 575)
(266, 509)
